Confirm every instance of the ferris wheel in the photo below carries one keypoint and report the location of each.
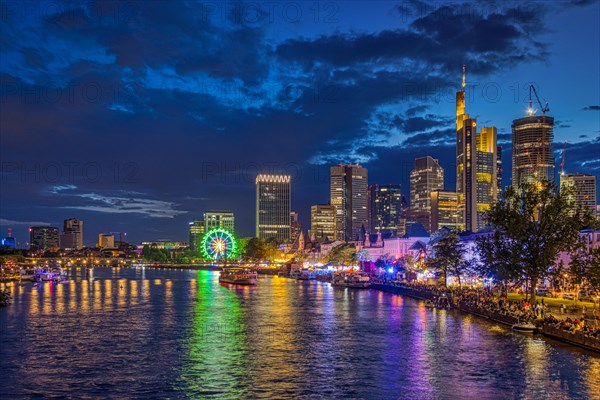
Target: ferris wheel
(219, 244)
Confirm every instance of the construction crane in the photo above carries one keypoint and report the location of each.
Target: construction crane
(532, 111)
(121, 234)
(562, 163)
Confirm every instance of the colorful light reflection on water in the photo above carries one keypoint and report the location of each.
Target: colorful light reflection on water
(156, 333)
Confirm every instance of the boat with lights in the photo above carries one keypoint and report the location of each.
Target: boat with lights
(351, 280)
(238, 276)
(295, 272)
(28, 274)
(306, 275)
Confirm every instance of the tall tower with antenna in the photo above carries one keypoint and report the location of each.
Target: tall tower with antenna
(532, 138)
(476, 164)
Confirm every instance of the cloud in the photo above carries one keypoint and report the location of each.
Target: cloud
(60, 188)
(591, 108)
(441, 39)
(583, 156)
(129, 205)
(183, 97)
(10, 222)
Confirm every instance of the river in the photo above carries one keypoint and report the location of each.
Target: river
(157, 333)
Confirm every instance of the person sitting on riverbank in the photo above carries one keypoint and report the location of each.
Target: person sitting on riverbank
(484, 300)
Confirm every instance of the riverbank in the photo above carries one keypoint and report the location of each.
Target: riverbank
(198, 267)
(550, 330)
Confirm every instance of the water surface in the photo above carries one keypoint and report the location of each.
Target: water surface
(155, 333)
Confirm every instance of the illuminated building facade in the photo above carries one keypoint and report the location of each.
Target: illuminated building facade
(499, 169)
(532, 153)
(426, 177)
(349, 195)
(295, 227)
(219, 219)
(386, 208)
(273, 206)
(476, 165)
(164, 245)
(322, 221)
(446, 211)
(584, 188)
(43, 238)
(106, 240)
(9, 241)
(196, 231)
(71, 237)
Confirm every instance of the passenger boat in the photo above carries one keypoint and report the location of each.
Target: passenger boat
(526, 327)
(295, 272)
(45, 276)
(306, 275)
(28, 274)
(443, 302)
(355, 280)
(238, 276)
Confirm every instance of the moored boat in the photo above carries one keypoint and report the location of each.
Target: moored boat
(526, 327)
(45, 276)
(295, 272)
(352, 280)
(444, 302)
(306, 275)
(238, 276)
(27, 274)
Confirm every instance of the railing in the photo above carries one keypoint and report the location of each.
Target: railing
(577, 338)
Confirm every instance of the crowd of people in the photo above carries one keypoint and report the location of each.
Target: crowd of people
(496, 303)
(574, 325)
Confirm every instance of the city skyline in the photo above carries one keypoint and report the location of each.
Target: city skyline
(157, 166)
(363, 199)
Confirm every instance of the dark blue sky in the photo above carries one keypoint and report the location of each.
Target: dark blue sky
(137, 116)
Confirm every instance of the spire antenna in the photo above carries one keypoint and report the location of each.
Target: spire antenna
(464, 77)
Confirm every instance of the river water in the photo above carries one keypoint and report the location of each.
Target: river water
(155, 333)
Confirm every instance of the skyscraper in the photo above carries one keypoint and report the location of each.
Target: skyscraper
(295, 227)
(476, 165)
(196, 229)
(385, 208)
(273, 206)
(584, 188)
(532, 154)
(72, 236)
(219, 219)
(426, 177)
(349, 196)
(322, 221)
(446, 211)
(43, 238)
(499, 169)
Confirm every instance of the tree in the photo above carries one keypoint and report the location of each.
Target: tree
(384, 260)
(362, 255)
(152, 254)
(255, 249)
(532, 225)
(342, 254)
(261, 249)
(584, 265)
(407, 261)
(447, 256)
